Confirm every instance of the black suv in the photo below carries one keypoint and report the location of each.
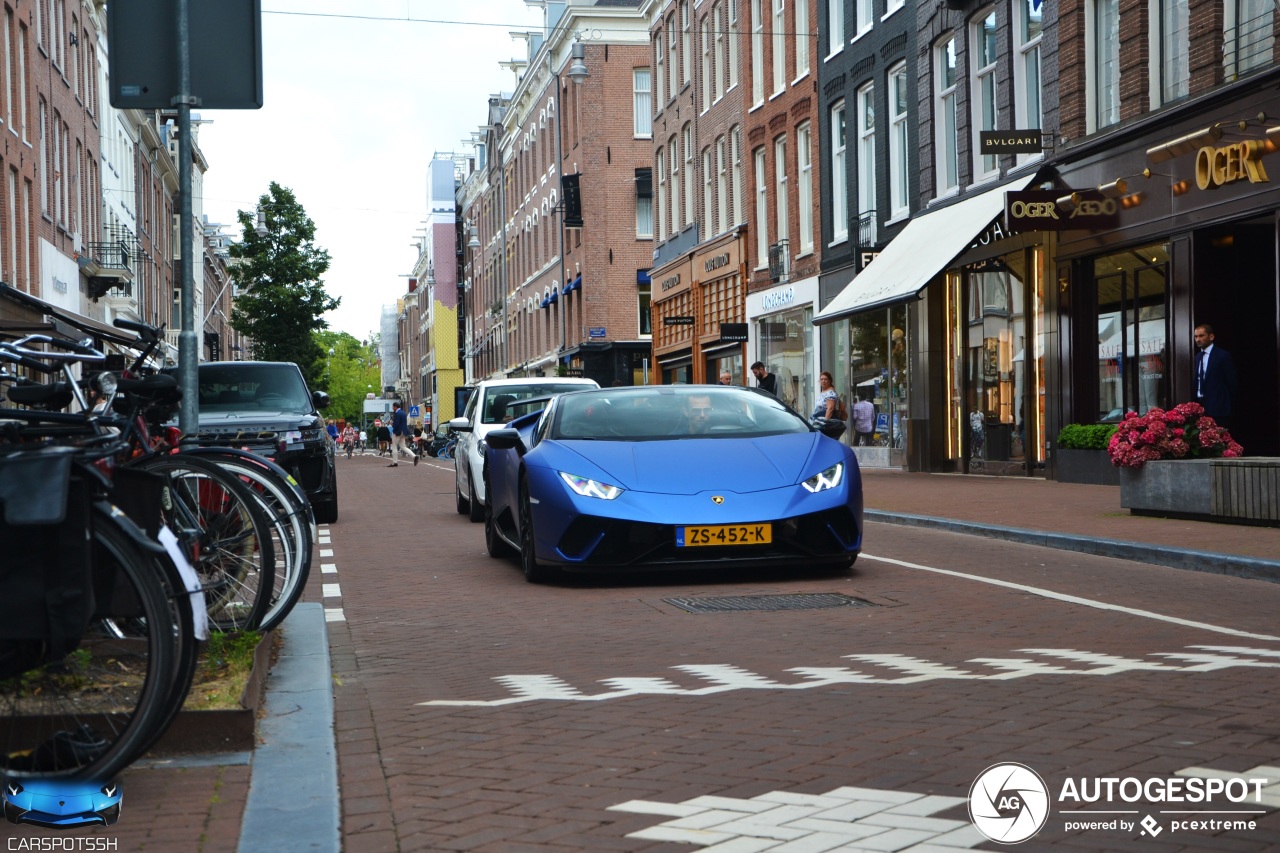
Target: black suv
(265, 407)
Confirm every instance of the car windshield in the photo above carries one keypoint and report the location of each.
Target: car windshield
(503, 402)
(663, 412)
(253, 387)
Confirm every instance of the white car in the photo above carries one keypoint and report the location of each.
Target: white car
(491, 406)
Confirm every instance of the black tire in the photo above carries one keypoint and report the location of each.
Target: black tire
(534, 572)
(213, 510)
(493, 543)
(46, 728)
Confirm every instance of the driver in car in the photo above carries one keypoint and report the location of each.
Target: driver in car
(697, 408)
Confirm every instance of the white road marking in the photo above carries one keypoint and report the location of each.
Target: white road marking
(902, 668)
(1072, 599)
(334, 614)
(329, 568)
(326, 552)
(844, 819)
(331, 590)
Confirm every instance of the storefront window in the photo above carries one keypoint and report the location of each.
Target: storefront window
(877, 359)
(785, 345)
(718, 363)
(678, 373)
(1133, 332)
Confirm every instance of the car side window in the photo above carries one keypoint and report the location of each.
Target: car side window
(470, 411)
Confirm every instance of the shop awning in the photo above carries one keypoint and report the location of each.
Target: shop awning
(86, 325)
(921, 250)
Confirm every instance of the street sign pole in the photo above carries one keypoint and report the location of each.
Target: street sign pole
(188, 342)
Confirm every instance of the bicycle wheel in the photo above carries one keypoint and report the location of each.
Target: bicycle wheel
(93, 711)
(228, 534)
(290, 513)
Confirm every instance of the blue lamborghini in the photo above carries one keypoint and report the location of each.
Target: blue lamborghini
(62, 803)
(671, 477)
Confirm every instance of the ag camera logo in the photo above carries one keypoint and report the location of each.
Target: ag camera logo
(1008, 803)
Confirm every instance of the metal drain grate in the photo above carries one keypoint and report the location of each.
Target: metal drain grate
(797, 601)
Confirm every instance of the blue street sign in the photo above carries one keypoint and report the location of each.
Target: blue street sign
(415, 412)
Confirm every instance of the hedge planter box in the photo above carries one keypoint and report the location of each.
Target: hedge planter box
(1092, 467)
(1238, 491)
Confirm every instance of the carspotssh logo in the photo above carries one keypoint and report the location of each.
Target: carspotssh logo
(1008, 803)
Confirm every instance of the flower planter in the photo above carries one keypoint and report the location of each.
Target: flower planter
(1092, 467)
(1238, 491)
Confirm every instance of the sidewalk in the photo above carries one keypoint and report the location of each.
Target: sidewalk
(279, 796)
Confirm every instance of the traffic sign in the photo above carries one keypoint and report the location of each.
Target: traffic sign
(415, 412)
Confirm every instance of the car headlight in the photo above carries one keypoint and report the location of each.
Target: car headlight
(827, 479)
(14, 788)
(110, 789)
(589, 488)
(482, 447)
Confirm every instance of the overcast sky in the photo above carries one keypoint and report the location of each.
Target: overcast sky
(358, 98)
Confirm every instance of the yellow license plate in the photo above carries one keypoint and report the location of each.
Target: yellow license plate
(724, 534)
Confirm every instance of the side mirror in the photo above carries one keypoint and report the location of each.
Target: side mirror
(320, 399)
(460, 425)
(505, 439)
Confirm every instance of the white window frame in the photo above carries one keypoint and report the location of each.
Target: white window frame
(867, 176)
(804, 186)
(899, 143)
(864, 19)
(718, 65)
(689, 173)
(839, 172)
(722, 186)
(891, 7)
(659, 65)
(642, 107)
(762, 211)
(707, 63)
(708, 192)
(835, 27)
(1028, 110)
(757, 53)
(802, 34)
(660, 203)
(673, 56)
(732, 36)
(735, 153)
(673, 152)
(985, 102)
(1243, 36)
(644, 211)
(946, 104)
(1102, 56)
(779, 42)
(781, 190)
(1170, 49)
(686, 39)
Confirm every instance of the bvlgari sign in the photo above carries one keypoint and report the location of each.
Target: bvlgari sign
(1010, 141)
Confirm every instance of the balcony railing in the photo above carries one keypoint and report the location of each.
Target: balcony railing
(780, 261)
(866, 228)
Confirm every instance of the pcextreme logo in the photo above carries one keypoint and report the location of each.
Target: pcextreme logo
(1010, 803)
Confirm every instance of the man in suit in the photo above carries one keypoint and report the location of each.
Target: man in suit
(1214, 378)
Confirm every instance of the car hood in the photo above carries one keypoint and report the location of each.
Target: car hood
(688, 466)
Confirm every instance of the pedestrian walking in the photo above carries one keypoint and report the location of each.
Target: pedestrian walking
(765, 379)
(383, 432)
(864, 421)
(399, 435)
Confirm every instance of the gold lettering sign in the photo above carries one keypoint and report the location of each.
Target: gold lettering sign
(1216, 167)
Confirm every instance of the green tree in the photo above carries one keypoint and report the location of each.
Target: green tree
(282, 299)
(351, 372)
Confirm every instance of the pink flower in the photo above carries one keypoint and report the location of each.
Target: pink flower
(1181, 432)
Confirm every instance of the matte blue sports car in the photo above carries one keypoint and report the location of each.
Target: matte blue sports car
(671, 477)
(62, 803)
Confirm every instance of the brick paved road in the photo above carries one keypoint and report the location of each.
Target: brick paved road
(916, 695)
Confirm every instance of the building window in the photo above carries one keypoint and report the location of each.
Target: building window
(735, 151)
(899, 145)
(757, 52)
(982, 40)
(643, 92)
(722, 187)
(719, 49)
(804, 186)
(781, 197)
(1026, 65)
(686, 38)
(673, 58)
(1171, 51)
(1249, 38)
(867, 165)
(9, 69)
(673, 148)
(839, 175)
(802, 38)
(835, 27)
(762, 212)
(947, 143)
(22, 81)
(731, 75)
(707, 61)
(687, 143)
(779, 46)
(1106, 63)
(660, 209)
(644, 203)
(659, 65)
(892, 6)
(708, 193)
(866, 15)
(643, 302)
